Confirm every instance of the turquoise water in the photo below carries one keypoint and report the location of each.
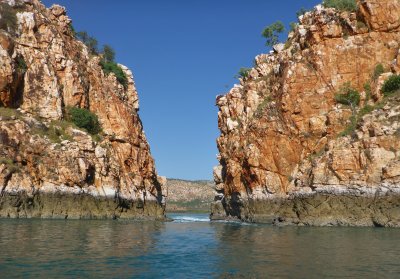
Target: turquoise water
(193, 247)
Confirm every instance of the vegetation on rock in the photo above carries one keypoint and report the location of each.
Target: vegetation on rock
(56, 131)
(341, 5)
(348, 96)
(243, 73)
(261, 107)
(391, 85)
(107, 62)
(112, 67)
(8, 113)
(89, 41)
(21, 64)
(85, 119)
(46, 146)
(108, 53)
(108, 65)
(379, 69)
(271, 33)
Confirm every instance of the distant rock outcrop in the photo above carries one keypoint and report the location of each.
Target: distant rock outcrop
(48, 166)
(188, 195)
(292, 152)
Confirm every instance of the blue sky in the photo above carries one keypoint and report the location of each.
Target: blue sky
(182, 53)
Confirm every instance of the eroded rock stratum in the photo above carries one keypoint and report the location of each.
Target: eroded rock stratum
(289, 152)
(49, 168)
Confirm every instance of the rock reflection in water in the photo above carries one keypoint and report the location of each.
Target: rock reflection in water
(304, 252)
(193, 249)
(85, 248)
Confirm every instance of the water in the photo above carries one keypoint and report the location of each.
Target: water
(193, 247)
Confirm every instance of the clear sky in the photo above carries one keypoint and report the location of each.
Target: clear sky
(182, 53)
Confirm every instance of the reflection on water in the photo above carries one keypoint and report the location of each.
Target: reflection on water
(303, 252)
(193, 248)
(54, 248)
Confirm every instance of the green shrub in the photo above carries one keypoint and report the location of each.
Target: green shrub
(21, 64)
(379, 69)
(108, 65)
(341, 5)
(8, 19)
(368, 91)
(391, 85)
(348, 96)
(85, 119)
(271, 33)
(357, 117)
(112, 67)
(243, 72)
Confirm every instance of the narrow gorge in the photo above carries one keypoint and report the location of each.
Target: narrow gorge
(311, 135)
(71, 141)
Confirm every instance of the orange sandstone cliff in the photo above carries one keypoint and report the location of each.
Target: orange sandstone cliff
(49, 168)
(289, 152)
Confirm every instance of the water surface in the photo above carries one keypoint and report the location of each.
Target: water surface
(193, 247)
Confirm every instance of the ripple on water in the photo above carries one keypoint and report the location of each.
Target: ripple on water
(191, 246)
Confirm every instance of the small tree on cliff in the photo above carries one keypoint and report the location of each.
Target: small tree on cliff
(271, 33)
(108, 65)
(243, 73)
(89, 41)
(108, 53)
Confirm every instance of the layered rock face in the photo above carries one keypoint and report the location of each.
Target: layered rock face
(289, 152)
(49, 168)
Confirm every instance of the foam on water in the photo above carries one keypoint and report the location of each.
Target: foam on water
(190, 218)
(194, 218)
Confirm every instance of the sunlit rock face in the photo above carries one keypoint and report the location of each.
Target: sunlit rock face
(289, 152)
(47, 167)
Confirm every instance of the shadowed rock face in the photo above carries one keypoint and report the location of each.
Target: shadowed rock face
(281, 142)
(43, 70)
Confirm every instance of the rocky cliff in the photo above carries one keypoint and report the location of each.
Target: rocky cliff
(48, 166)
(291, 151)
